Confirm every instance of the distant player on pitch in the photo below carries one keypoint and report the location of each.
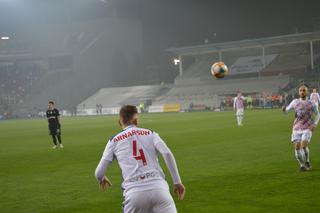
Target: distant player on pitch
(314, 97)
(238, 106)
(303, 126)
(53, 117)
(145, 189)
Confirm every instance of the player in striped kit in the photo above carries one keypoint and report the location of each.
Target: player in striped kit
(314, 97)
(145, 189)
(303, 126)
(238, 106)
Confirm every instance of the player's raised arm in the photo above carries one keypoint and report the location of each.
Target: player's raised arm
(172, 166)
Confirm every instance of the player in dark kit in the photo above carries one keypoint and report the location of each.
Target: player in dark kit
(54, 124)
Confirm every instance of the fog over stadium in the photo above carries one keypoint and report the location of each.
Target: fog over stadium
(159, 106)
(68, 51)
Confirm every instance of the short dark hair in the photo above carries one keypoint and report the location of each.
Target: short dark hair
(303, 85)
(51, 102)
(127, 113)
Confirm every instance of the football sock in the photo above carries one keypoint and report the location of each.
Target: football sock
(59, 138)
(303, 155)
(299, 157)
(54, 139)
(306, 153)
(238, 120)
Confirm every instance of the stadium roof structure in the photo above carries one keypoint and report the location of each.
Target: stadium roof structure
(262, 43)
(244, 44)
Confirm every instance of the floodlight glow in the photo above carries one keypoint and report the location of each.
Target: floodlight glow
(5, 37)
(176, 61)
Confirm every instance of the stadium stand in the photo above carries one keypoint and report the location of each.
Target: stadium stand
(118, 96)
(16, 81)
(263, 75)
(206, 94)
(258, 66)
(68, 64)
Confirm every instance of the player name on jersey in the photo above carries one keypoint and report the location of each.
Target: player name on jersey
(129, 134)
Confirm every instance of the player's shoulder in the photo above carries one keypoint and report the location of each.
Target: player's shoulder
(111, 138)
(115, 135)
(128, 132)
(145, 129)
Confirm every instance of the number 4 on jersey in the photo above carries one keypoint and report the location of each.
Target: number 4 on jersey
(138, 157)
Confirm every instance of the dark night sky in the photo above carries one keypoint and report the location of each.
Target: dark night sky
(174, 23)
(177, 22)
(189, 22)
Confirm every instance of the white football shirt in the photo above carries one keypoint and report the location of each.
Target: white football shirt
(136, 152)
(238, 102)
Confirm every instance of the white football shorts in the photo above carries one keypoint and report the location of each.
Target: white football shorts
(303, 135)
(240, 112)
(150, 201)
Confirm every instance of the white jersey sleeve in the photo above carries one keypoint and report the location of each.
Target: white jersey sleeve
(290, 106)
(108, 153)
(105, 161)
(102, 168)
(168, 157)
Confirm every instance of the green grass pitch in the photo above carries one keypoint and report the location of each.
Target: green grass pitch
(225, 168)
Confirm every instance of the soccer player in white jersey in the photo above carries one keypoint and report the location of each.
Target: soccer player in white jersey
(314, 96)
(145, 189)
(238, 106)
(303, 126)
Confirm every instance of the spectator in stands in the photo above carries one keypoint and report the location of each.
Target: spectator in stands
(280, 100)
(273, 100)
(289, 98)
(229, 101)
(191, 106)
(100, 109)
(222, 105)
(141, 106)
(97, 109)
(249, 102)
(74, 111)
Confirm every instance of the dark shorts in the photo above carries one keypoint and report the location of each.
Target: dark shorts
(55, 130)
